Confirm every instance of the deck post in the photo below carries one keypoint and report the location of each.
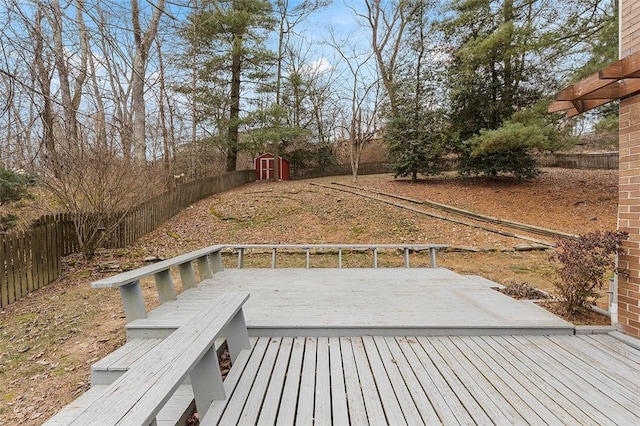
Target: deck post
(406, 257)
(240, 258)
(204, 268)
(215, 260)
(187, 276)
(164, 284)
(206, 381)
(237, 335)
(432, 254)
(133, 301)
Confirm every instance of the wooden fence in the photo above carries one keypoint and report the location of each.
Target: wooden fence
(600, 160)
(29, 260)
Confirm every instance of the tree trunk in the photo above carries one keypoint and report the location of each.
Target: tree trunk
(139, 63)
(234, 114)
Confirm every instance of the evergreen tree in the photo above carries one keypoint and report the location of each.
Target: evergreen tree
(503, 60)
(230, 36)
(416, 125)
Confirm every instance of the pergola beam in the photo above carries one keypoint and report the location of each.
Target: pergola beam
(619, 80)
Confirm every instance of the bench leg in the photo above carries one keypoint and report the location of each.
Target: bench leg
(133, 301)
(206, 381)
(164, 284)
(215, 259)
(187, 276)
(203, 268)
(237, 335)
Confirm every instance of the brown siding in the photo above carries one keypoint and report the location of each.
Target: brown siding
(629, 198)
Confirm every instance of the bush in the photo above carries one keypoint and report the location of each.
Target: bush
(13, 185)
(584, 263)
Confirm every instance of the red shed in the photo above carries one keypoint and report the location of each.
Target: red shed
(264, 167)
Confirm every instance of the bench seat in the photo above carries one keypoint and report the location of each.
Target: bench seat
(175, 412)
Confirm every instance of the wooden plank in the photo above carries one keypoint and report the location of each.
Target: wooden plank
(338, 391)
(584, 390)
(21, 266)
(440, 394)
(515, 395)
(613, 349)
(372, 398)
(4, 279)
(216, 409)
(486, 400)
(11, 285)
(624, 68)
(306, 394)
(273, 396)
(355, 399)
(29, 264)
(109, 368)
(612, 383)
(253, 401)
(547, 395)
(322, 409)
(287, 411)
(619, 345)
(386, 390)
(390, 351)
(136, 274)
(540, 372)
(455, 394)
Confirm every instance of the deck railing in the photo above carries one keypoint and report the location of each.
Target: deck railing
(241, 249)
(209, 261)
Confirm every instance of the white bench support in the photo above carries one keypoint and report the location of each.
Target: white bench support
(133, 301)
(164, 284)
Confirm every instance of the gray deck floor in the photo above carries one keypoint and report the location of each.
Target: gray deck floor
(502, 380)
(343, 302)
(330, 347)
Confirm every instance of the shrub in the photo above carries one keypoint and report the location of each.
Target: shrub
(584, 263)
(13, 185)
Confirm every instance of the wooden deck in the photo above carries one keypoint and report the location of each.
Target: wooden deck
(391, 347)
(353, 302)
(503, 380)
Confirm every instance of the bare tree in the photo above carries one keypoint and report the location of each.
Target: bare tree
(361, 104)
(387, 22)
(143, 41)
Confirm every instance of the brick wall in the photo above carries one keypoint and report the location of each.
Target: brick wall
(629, 183)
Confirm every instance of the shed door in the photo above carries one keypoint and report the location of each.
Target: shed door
(266, 168)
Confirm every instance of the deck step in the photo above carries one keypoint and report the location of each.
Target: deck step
(109, 368)
(114, 365)
(176, 411)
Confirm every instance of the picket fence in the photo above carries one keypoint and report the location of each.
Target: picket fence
(31, 259)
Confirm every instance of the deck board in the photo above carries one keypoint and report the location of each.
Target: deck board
(331, 347)
(420, 380)
(342, 302)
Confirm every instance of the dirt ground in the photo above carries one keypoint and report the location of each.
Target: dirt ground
(49, 340)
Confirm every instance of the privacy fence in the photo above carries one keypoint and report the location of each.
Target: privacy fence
(600, 160)
(31, 259)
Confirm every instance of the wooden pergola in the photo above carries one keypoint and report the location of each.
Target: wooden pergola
(619, 80)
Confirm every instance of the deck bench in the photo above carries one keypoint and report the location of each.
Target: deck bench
(208, 259)
(138, 395)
